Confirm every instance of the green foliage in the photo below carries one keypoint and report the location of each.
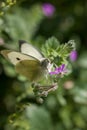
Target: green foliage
(39, 118)
(32, 118)
(56, 52)
(23, 24)
(49, 49)
(5, 5)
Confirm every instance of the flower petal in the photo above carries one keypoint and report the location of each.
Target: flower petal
(59, 70)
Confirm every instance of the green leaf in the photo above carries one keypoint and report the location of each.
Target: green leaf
(39, 118)
(52, 43)
(49, 47)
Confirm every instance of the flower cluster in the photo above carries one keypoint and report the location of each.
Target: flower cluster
(59, 70)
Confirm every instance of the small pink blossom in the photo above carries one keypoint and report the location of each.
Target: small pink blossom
(73, 55)
(48, 9)
(59, 70)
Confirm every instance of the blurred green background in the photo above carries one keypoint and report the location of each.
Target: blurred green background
(64, 109)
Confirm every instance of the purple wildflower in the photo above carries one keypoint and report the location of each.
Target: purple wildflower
(48, 9)
(58, 70)
(73, 55)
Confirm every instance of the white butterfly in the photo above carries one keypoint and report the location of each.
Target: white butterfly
(28, 62)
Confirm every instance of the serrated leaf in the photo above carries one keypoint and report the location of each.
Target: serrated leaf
(52, 43)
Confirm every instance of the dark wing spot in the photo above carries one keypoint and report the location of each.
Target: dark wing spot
(18, 58)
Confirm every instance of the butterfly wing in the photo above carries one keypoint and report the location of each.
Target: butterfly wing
(31, 69)
(26, 65)
(28, 49)
(15, 57)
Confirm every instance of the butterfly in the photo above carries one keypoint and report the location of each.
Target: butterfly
(29, 62)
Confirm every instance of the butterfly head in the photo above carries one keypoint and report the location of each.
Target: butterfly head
(45, 63)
